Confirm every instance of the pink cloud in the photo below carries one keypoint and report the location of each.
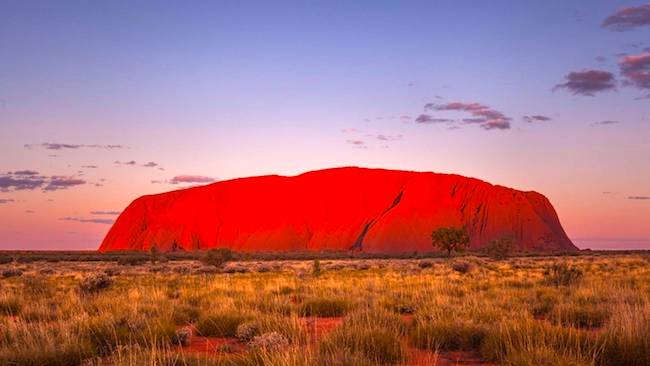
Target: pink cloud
(483, 115)
(636, 70)
(628, 18)
(588, 82)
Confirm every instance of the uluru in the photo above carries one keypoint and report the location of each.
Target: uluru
(339, 209)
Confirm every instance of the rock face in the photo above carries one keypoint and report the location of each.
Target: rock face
(368, 210)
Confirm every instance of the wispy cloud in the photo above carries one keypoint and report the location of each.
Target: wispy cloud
(485, 116)
(17, 183)
(536, 118)
(131, 162)
(150, 164)
(427, 118)
(105, 212)
(389, 137)
(61, 182)
(588, 82)
(639, 198)
(26, 180)
(628, 18)
(606, 122)
(90, 221)
(63, 146)
(26, 172)
(356, 143)
(191, 179)
(6, 200)
(90, 166)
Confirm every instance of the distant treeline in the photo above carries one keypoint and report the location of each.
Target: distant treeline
(130, 256)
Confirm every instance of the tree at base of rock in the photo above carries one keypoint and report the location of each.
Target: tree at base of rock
(450, 239)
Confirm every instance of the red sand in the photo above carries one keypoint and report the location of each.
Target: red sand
(319, 328)
(369, 210)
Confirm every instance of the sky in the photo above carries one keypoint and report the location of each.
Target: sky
(102, 102)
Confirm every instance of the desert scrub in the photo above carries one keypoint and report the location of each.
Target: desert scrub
(325, 307)
(525, 341)
(545, 301)
(626, 339)
(220, 324)
(95, 283)
(247, 330)
(10, 304)
(11, 272)
(447, 334)
(581, 315)
(373, 335)
(55, 344)
(561, 274)
(462, 267)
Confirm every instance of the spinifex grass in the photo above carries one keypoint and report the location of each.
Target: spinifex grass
(517, 311)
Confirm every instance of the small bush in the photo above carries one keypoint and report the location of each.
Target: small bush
(425, 264)
(561, 274)
(132, 260)
(11, 272)
(500, 248)
(217, 257)
(247, 330)
(462, 267)
(325, 307)
(269, 341)
(95, 283)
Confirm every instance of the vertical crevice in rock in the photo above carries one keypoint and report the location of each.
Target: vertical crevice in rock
(358, 244)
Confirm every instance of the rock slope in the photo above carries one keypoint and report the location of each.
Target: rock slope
(368, 210)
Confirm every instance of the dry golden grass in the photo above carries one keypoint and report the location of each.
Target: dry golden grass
(519, 311)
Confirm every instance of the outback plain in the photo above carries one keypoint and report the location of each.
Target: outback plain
(588, 308)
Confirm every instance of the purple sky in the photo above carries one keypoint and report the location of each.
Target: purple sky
(101, 102)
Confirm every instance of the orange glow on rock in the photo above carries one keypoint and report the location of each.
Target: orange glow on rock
(369, 210)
